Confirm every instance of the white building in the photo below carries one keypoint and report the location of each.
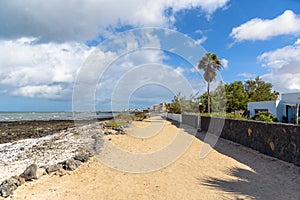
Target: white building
(285, 110)
(162, 107)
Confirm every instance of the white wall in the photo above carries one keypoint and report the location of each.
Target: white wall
(281, 111)
(175, 117)
(271, 106)
(291, 98)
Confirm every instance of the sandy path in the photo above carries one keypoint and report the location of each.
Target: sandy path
(229, 172)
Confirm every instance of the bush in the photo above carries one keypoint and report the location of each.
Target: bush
(234, 116)
(223, 114)
(265, 116)
(123, 116)
(112, 124)
(139, 116)
(299, 120)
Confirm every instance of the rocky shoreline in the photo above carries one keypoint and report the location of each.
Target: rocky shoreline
(18, 130)
(33, 172)
(50, 146)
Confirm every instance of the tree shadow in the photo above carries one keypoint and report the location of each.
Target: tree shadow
(241, 186)
(267, 178)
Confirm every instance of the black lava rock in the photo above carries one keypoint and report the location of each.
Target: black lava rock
(30, 172)
(81, 158)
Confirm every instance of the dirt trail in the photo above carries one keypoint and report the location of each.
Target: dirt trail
(228, 172)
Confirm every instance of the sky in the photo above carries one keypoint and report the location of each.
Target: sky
(50, 50)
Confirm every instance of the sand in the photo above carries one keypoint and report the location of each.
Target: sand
(230, 171)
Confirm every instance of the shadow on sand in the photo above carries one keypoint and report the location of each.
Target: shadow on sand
(269, 178)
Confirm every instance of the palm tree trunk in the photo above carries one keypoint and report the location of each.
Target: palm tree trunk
(208, 97)
(297, 113)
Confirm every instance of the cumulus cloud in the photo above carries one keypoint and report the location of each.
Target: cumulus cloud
(40, 70)
(283, 64)
(40, 91)
(263, 29)
(225, 63)
(247, 75)
(42, 45)
(201, 40)
(86, 19)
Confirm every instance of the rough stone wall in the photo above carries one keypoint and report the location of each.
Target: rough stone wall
(191, 120)
(174, 117)
(279, 140)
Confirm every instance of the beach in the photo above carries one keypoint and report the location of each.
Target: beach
(229, 171)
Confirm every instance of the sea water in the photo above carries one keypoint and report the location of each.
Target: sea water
(44, 116)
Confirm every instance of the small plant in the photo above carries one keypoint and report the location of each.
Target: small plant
(114, 124)
(234, 116)
(299, 120)
(123, 116)
(139, 116)
(265, 116)
(223, 114)
(76, 132)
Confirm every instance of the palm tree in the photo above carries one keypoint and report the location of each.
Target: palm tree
(210, 63)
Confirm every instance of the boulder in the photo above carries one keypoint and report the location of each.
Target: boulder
(9, 185)
(21, 180)
(120, 130)
(110, 132)
(71, 164)
(30, 172)
(13, 181)
(53, 168)
(5, 191)
(81, 157)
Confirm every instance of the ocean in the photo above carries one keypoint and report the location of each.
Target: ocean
(45, 116)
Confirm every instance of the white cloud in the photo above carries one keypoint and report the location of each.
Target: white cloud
(247, 75)
(263, 29)
(179, 71)
(121, 68)
(297, 42)
(86, 19)
(42, 45)
(40, 91)
(201, 40)
(38, 70)
(284, 66)
(225, 63)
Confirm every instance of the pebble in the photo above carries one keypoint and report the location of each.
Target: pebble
(33, 158)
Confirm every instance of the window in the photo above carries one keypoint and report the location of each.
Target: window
(261, 110)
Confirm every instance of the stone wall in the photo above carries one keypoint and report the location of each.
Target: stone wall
(279, 140)
(191, 120)
(174, 117)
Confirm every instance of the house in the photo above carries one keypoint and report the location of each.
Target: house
(162, 107)
(285, 110)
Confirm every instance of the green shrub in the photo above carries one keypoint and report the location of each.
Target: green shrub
(123, 116)
(140, 116)
(234, 116)
(265, 116)
(76, 132)
(114, 124)
(223, 114)
(299, 120)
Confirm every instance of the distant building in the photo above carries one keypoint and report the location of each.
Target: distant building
(285, 110)
(162, 107)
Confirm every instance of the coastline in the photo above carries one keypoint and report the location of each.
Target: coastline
(11, 131)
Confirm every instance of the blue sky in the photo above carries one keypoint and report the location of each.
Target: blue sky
(43, 47)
